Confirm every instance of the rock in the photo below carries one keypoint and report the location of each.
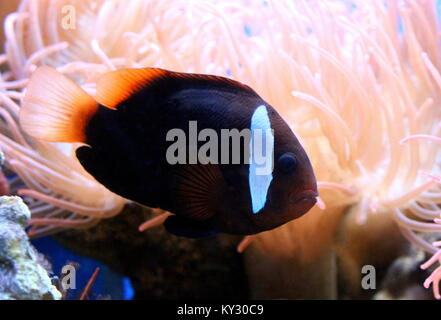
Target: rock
(22, 277)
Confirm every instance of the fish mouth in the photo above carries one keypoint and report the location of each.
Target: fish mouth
(305, 196)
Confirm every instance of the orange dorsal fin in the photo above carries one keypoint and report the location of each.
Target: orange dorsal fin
(117, 86)
(55, 108)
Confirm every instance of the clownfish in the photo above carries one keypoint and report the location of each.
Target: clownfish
(124, 131)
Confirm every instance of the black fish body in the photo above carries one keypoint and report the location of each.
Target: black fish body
(125, 137)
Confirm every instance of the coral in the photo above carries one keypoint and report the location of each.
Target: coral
(22, 277)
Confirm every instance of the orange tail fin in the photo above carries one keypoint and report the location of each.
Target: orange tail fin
(55, 108)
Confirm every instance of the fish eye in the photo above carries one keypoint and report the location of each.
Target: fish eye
(287, 162)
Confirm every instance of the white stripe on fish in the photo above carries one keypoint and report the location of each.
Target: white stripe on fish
(261, 158)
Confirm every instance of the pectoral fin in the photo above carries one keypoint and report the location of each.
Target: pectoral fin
(198, 190)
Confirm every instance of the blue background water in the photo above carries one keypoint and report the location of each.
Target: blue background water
(108, 283)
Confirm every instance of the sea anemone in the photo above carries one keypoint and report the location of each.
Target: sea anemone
(60, 193)
(435, 276)
(352, 78)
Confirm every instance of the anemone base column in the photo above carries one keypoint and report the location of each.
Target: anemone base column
(297, 260)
